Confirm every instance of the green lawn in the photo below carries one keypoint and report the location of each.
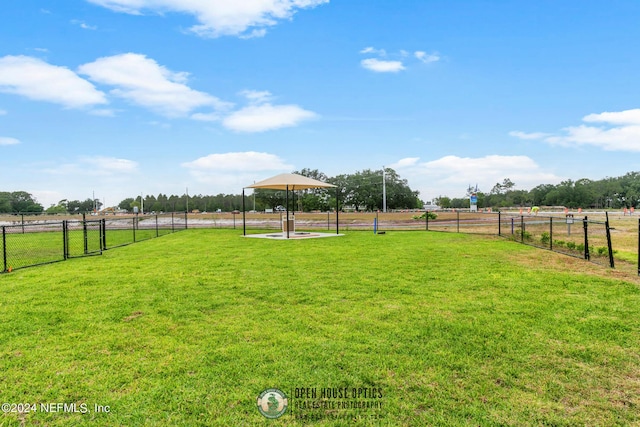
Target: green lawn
(451, 329)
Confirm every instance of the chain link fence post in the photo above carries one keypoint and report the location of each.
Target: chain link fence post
(84, 234)
(585, 223)
(103, 234)
(609, 246)
(4, 249)
(65, 240)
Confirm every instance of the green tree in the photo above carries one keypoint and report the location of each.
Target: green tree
(399, 194)
(314, 198)
(60, 208)
(126, 204)
(19, 201)
(443, 201)
(78, 206)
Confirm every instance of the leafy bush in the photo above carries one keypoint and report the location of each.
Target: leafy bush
(580, 247)
(572, 245)
(545, 238)
(602, 250)
(432, 215)
(525, 234)
(559, 243)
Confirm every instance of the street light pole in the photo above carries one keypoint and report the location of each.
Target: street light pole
(384, 191)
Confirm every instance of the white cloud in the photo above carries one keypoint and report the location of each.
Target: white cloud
(373, 50)
(247, 18)
(623, 138)
(254, 34)
(142, 81)
(3, 112)
(381, 66)
(96, 166)
(241, 161)
(103, 112)
(8, 141)
(230, 172)
(531, 135)
(255, 96)
(35, 79)
(627, 117)
(110, 164)
(451, 175)
(620, 131)
(83, 25)
(479, 165)
(264, 117)
(426, 57)
(206, 117)
(393, 66)
(403, 163)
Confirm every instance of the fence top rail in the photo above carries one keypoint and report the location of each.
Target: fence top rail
(33, 224)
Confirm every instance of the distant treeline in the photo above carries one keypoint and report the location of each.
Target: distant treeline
(362, 191)
(608, 193)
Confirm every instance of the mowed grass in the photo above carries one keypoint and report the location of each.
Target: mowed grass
(188, 329)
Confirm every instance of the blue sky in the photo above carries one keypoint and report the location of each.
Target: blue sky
(122, 97)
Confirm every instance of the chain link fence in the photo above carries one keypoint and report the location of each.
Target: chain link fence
(28, 243)
(31, 243)
(574, 236)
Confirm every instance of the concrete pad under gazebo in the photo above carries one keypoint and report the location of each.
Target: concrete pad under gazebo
(289, 181)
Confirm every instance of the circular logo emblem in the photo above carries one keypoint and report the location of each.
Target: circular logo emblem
(272, 403)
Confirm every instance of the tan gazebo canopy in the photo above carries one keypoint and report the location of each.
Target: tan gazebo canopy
(288, 181)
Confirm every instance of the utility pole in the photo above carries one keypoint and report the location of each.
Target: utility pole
(141, 204)
(384, 191)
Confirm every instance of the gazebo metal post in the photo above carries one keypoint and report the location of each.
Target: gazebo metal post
(337, 206)
(244, 226)
(286, 198)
